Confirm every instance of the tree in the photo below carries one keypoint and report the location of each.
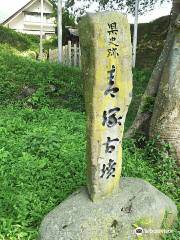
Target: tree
(162, 94)
(123, 5)
(67, 20)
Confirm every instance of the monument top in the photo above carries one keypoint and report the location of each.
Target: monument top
(106, 65)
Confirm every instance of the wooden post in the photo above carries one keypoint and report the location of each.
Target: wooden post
(79, 56)
(69, 53)
(50, 54)
(63, 54)
(75, 55)
(66, 61)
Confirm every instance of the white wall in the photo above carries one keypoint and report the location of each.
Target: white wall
(36, 7)
(31, 27)
(19, 24)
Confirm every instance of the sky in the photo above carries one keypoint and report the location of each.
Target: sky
(8, 7)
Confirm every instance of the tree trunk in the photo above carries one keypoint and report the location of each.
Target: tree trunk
(142, 121)
(165, 120)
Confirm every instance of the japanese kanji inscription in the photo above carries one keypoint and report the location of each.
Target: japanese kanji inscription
(106, 65)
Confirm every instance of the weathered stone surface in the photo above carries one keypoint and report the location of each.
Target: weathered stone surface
(106, 64)
(26, 92)
(136, 203)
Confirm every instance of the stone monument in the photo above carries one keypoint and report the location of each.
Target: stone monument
(112, 206)
(106, 63)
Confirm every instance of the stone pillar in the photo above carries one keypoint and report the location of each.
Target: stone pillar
(106, 65)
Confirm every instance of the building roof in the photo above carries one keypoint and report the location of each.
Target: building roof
(28, 4)
(73, 31)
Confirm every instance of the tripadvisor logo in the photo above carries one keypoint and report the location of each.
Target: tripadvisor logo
(139, 231)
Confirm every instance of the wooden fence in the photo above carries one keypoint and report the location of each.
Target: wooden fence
(71, 55)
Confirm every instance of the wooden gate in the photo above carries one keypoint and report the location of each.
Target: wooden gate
(71, 55)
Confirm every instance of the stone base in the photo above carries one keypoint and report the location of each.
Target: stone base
(137, 204)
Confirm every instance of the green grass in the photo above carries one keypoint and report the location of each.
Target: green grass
(42, 155)
(42, 144)
(17, 72)
(140, 80)
(20, 41)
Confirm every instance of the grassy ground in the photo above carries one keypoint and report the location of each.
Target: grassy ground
(20, 41)
(42, 144)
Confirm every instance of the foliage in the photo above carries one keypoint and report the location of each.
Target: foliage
(42, 155)
(151, 38)
(67, 20)
(16, 73)
(42, 159)
(128, 5)
(51, 43)
(20, 41)
(42, 143)
(140, 80)
(148, 104)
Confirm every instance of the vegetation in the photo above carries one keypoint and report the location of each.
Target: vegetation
(42, 143)
(20, 41)
(24, 42)
(148, 122)
(52, 85)
(42, 162)
(67, 20)
(140, 80)
(151, 38)
(122, 5)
